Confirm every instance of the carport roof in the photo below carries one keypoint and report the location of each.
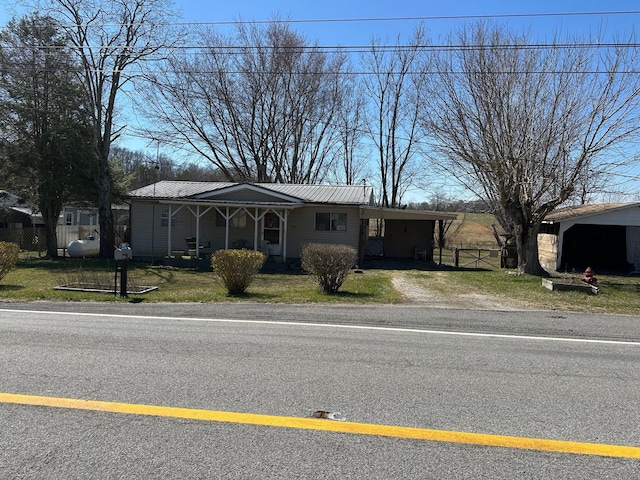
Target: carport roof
(401, 214)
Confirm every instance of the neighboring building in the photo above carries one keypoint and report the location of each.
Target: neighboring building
(172, 217)
(16, 214)
(19, 223)
(605, 237)
(72, 215)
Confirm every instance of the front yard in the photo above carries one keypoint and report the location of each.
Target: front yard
(35, 279)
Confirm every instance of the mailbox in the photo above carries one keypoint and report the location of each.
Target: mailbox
(122, 256)
(123, 253)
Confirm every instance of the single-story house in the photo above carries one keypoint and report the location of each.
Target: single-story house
(170, 218)
(605, 237)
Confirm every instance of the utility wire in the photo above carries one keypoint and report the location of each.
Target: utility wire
(379, 19)
(237, 49)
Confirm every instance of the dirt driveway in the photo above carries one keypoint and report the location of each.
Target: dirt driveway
(414, 293)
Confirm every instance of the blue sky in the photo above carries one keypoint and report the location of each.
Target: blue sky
(395, 17)
(358, 33)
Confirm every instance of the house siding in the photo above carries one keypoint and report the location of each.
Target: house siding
(302, 228)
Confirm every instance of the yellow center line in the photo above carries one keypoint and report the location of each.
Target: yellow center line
(540, 444)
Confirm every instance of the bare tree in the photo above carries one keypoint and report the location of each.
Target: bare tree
(523, 126)
(395, 87)
(260, 104)
(110, 38)
(351, 165)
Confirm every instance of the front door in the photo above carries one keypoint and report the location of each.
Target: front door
(271, 232)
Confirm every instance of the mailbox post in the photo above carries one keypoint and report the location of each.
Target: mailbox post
(122, 256)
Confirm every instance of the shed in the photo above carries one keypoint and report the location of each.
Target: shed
(603, 236)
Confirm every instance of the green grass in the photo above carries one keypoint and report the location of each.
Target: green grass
(35, 279)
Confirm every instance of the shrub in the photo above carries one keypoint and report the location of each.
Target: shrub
(329, 264)
(236, 268)
(8, 257)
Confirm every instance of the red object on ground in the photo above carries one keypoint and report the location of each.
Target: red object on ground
(588, 277)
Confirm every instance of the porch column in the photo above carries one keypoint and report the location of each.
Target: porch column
(255, 229)
(197, 231)
(169, 231)
(226, 231)
(284, 236)
(169, 226)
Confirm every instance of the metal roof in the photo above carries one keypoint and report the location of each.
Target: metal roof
(401, 214)
(586, 210)
(329, 194)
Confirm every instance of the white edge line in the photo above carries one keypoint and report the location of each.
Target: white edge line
(331, 325)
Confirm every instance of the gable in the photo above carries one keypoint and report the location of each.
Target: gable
(246, 192)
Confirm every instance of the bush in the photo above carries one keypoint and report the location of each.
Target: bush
(329, 264)
(236, 268)
(8, 257)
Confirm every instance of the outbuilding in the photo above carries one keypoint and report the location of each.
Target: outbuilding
(605, 237)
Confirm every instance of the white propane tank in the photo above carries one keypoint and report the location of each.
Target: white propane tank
(90, 247)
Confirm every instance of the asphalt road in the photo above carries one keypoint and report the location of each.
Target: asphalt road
(542, 375)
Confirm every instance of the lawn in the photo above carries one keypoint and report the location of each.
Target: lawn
(35, 279)
(618, 294)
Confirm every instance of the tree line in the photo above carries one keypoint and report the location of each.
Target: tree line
(524, 126)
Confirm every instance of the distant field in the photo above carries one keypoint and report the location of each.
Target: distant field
(471, 230)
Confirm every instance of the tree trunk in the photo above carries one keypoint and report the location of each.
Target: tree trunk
(527, 246)
(107, 237)
(51, 240)
(50, 213)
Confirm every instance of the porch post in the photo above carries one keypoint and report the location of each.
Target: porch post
(284, 236)
(226, 231)
(440, 240)
(255, 229)
(197, 231)
(169, 231)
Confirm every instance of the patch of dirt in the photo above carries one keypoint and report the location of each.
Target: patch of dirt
(414, 293)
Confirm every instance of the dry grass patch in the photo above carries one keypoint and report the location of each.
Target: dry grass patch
(618, 294)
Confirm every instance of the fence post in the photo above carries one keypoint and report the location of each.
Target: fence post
(456, 257)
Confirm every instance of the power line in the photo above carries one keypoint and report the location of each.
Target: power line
(238, 49)
(379, 19)
(423, 18)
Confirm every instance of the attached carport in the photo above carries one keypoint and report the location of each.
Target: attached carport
(408, 234)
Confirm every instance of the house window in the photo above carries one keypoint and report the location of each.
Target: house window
(68, 218)
(336, 222)
(164, 219)
(239, 220)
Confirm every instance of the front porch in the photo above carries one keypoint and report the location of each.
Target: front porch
(203, 263)
(197, 229)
